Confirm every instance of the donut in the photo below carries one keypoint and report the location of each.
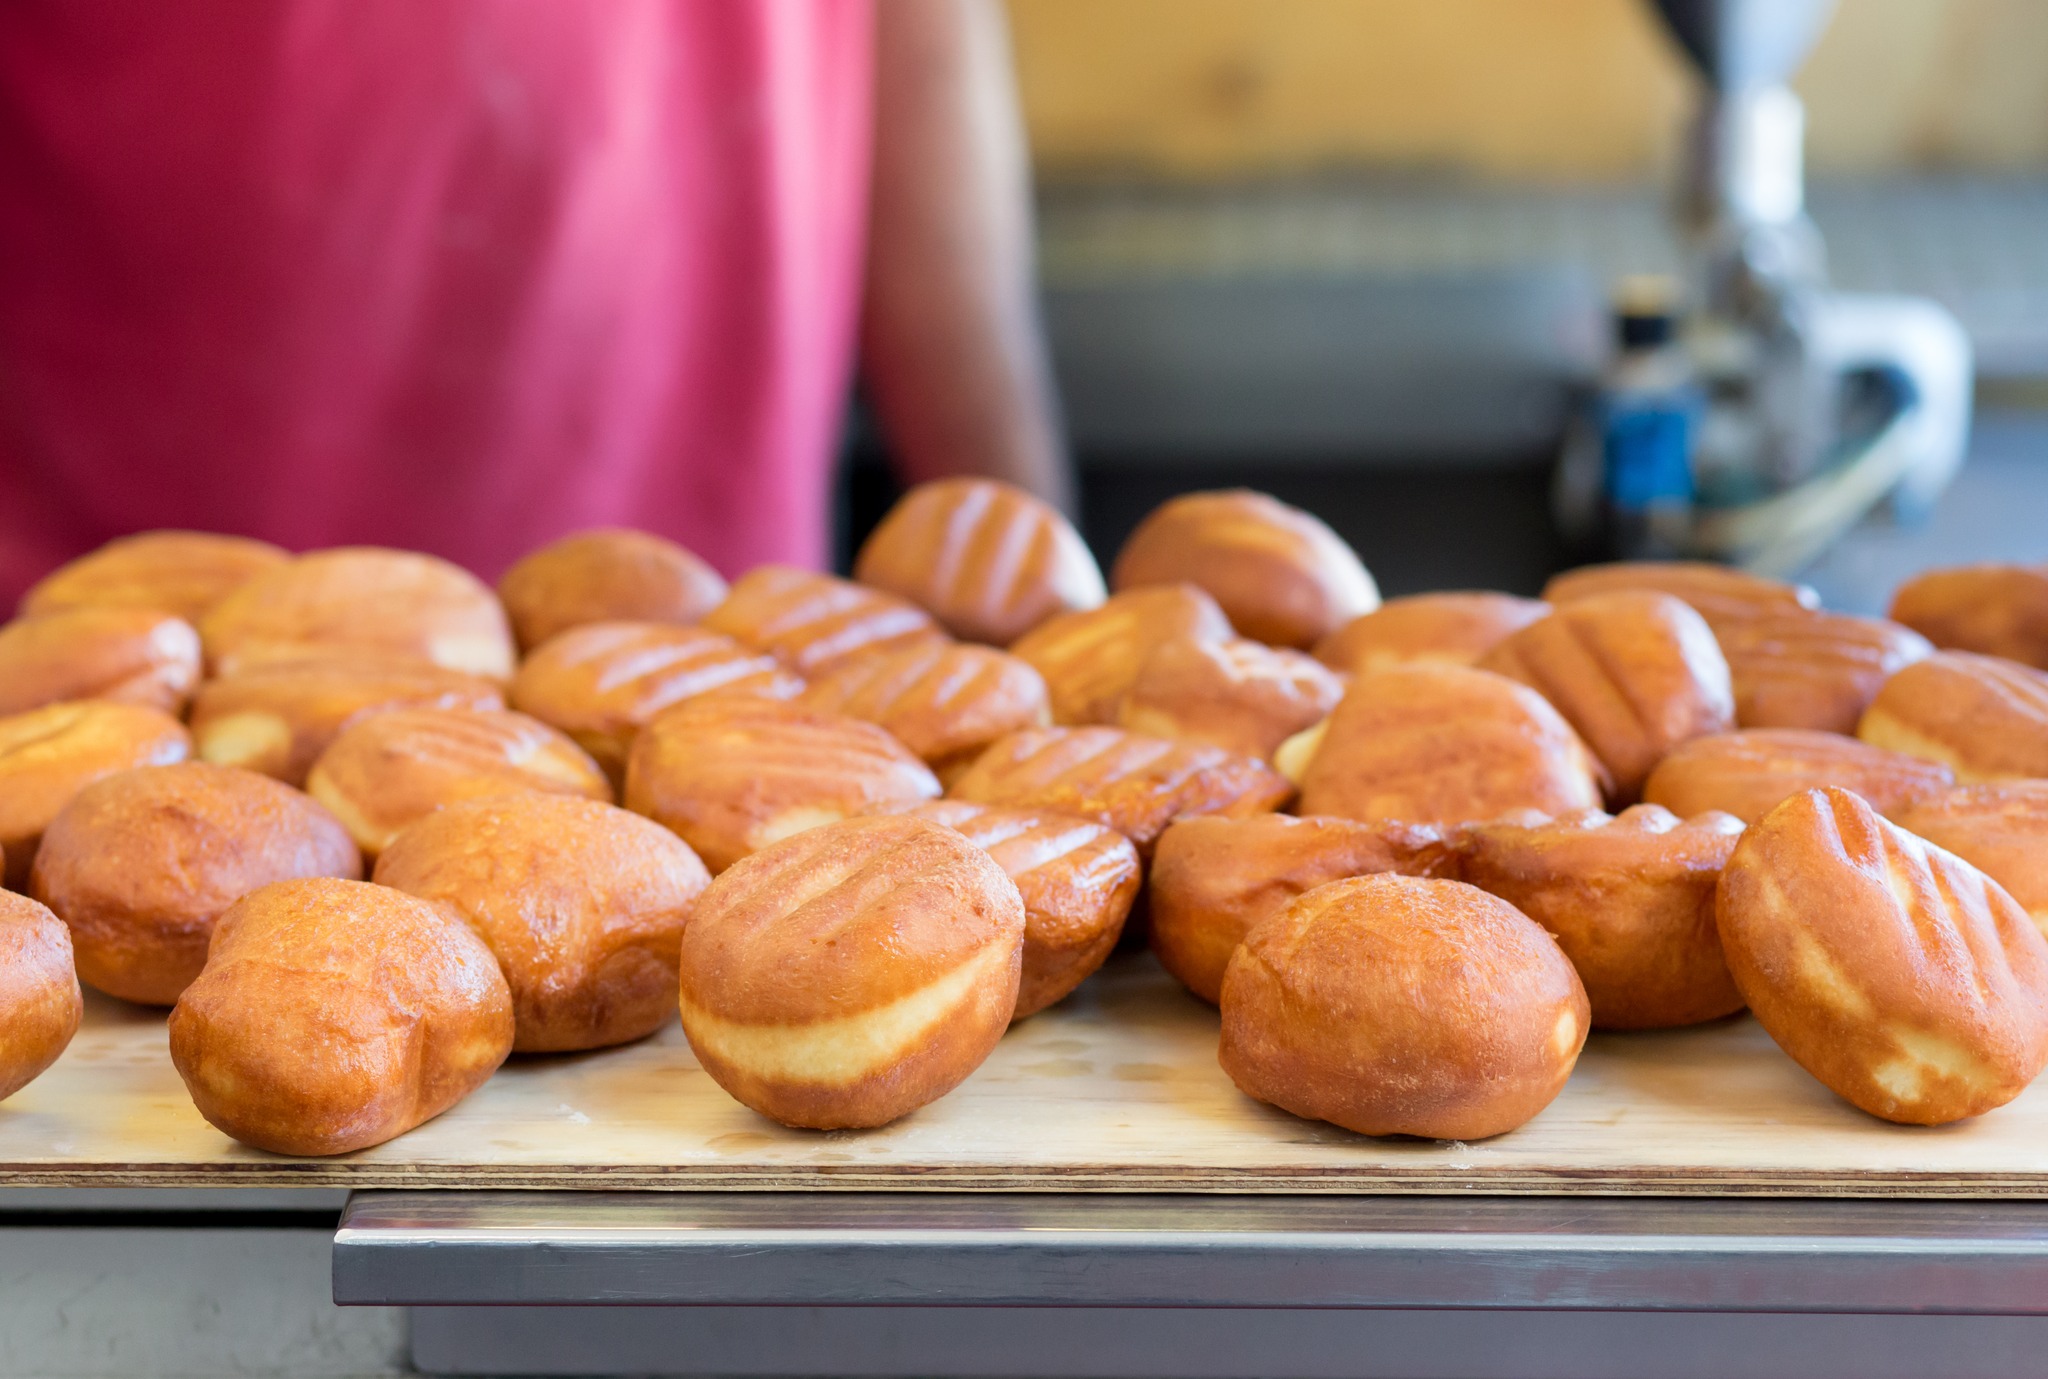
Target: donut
(1630, 899)
(1749, 773)
(583, 905)
(1894, 972)
(1402, 1005)
(131, 655)
(1992, 609)
(986, 559)
(1634, 672)
(280, 716)
(1280, 574)
(40, 1004)
(48, 755)
(1215, 879)
(1240, 695)
(388, 769)
(810, 621)
(362, 600)
(603, 682)
(1134, 784)
(849, 975)
(945, 701)
(335, 1015)
(182, 573)
(732, 776)
(1077, 880)
(1441, 744)
(1983, 717)
(1450, 628)
(1805, 669)
(1090, 659)
(142, 864)
(608, 575)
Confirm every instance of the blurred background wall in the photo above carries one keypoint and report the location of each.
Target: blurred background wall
(1523, 89)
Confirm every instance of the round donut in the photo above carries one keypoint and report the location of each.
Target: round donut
(130, 655)
(583, 904)
(280, 716)
(732, 776)
(182, 573)
(1216, 879)
(142, 864)
(40, 1004)
(1280, 574)
(1441, 744)
(388, 769)
(1455, 628)
(48, 755)
(853, 973)
(362, 599)
(1401, 1005)
(609, 575)
(1630, 899)
(986, 559)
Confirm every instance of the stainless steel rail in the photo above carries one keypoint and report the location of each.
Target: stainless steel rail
(913, 1249)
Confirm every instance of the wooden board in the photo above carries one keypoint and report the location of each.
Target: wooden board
(1116, 1090)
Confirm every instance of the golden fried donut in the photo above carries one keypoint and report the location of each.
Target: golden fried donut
(583, 904)
(1748, 774)
(1452, 628)
(810, 622)
(1077, 880)
(362, 600)
(1630, 899)
(945, 701)
(1635, 673)
(989, 561)
(40, 1004)
(2001, 830)
(1440, 744)
(734, 775)
(334, 1015)
(1280, 574)
(1984, 717)
(601, 683)
(182, 573)
(1214, 880)
(1090, 659)
(1401, 1005)
(280, 716)
(388, 769)
(1892, 971)
(1715, 592)
(851, 974)
(133, 655)
(48, 755)
(1242, 696)
(1134, 784)
(141, 864)
(1805, 669)
(609, 575)
(1997, 610)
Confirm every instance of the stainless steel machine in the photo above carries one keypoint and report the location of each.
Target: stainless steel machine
(1754, 414)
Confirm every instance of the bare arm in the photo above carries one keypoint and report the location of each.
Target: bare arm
(951, 345)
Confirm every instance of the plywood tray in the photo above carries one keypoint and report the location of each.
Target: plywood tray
(1116, 1090)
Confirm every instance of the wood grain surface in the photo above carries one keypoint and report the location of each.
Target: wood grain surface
(1117, 1089)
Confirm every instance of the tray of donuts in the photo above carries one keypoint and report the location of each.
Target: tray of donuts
(376, 873)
